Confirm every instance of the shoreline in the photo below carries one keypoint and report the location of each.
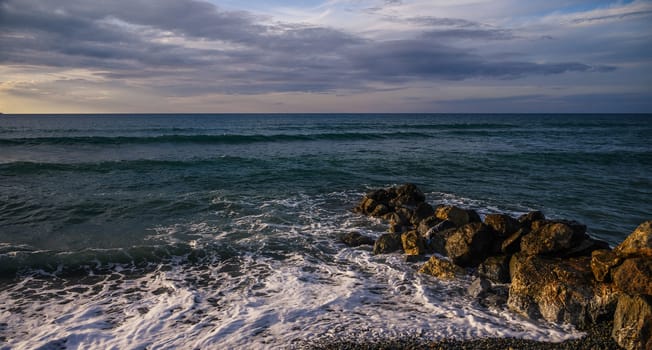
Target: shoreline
(598, 336)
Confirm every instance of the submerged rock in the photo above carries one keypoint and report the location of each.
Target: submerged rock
(441, 268)
(470, 244)
(633, 322)
(388, 243)
(561, 291)
(639, 243)
(355, 239)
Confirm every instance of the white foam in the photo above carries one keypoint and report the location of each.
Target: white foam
(318, 290)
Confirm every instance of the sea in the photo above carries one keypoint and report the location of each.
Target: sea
(222, 231)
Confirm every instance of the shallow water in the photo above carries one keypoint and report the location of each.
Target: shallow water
(221, 231)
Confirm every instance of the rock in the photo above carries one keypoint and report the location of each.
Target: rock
(634, 276)
(639, 243)
(396, 219)
(421, 212)
(602, 261)
(426, 224)
(496, 297)
(479, 287)
(470, 244)
(496, 268)
(413, 243)
(388, 243)
(415, 258)
(441, 268)
(407, 195)
(547, 238)
(512, 244)
(406, 215)
(436, 239)
(382, 195)
(526, 220)
(503, 225)
(633, 322)
(560, 291)
(355, 239)
(458, 216)
(379, 210)
(585, 247)
(369, 206)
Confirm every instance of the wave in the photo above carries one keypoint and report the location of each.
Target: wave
(207, 139)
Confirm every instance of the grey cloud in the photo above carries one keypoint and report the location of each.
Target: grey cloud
(246, 56)
(620, 16)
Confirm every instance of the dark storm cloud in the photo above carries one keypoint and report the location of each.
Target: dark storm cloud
(235, 52)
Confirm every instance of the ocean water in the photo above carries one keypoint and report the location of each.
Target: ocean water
(221, 231)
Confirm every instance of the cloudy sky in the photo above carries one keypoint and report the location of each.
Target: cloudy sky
(83, 56)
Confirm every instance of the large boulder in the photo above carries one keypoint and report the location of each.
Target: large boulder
(441, 268)
(470, 244)
(560, 291)
(407, 195)
(437, 237)
(371, 207)
(495, 268)
(388, 243)
(602, 261)
(639, 243)
(634, 276)
(526, 220)
(504, 225)
(633, 322)
(421, 211)
(512, 243)
(413, 243)
(426, 224)
(546, 238)
(355, 239)
(458, 216)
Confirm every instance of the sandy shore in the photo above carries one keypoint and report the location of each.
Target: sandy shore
(597, 338)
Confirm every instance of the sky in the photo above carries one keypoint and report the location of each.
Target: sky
(325, 56)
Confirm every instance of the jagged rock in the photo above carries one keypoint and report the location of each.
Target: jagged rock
(547, 238)
(526, 220)
(421, 212)
(633, 322)
(426, 224)
(355, 239)
(441, 268)
(479, 287)
(436, 239)
(371, 207)
(638, 243)
(512, 244)
(496, 268)
(602, 261)
(405, 214)
(634, 276)
(413, 243)
(407, 195)
(503, 225)
(561, 291)
(388, 243)
(396, 219)
(470, 244)
(458, 216)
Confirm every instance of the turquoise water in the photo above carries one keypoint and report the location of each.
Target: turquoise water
(85, 193)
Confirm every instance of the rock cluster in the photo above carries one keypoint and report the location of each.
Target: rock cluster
(554, 269)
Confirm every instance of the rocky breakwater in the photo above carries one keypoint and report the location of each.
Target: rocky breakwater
(538, 267)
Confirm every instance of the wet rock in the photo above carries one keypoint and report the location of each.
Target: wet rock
(547, 238)
(526, 220)
(426, 224)
(396, 219)
(407, 195)
(413, 243)
(496, 268)
(639, 243)
(470, 244)
(388, 243)
(370, 207)
(503, 225)
(458, 216)
(406, 215)
(355, 239)
(602, 261)
(441, 268)
(496, 297)
(479, 287)
(561, 291)
(633, 322)
(436, 239)
(634, 276)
